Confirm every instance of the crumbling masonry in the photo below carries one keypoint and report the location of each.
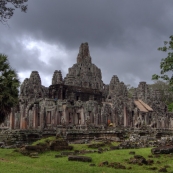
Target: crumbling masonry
(82, 99)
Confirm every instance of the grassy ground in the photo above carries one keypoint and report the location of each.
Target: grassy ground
(13, 162)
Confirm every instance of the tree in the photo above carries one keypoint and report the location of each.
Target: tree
(130, 90)
(9, 84)
(166, 64)
(7, 8)
(166, 95)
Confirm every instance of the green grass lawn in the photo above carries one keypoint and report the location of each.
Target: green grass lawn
(14, 162)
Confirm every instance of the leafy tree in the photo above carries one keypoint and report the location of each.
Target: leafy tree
(7, 8)
(9, 84)
(170, 107)
(165, 90)
(130, 90)
(166, 64)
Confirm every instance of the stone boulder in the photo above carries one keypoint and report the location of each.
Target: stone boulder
(79, 158)
(116, 165)
(162, 150)
(59, 145)
(138, 159)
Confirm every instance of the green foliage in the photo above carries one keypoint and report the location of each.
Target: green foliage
(130, 90)
(165, 90)
(44, 140)
(9, 84)
(14, 162)
(7, 8)
(166, 64)
(170, 107)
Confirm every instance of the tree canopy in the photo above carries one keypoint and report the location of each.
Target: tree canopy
(9, 84)
(166, 64)
(7, 8)
(166, 95)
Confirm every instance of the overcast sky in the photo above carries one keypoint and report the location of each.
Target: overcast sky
(123, 37)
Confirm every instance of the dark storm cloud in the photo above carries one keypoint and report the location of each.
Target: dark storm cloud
(123, 35)
(99, 22)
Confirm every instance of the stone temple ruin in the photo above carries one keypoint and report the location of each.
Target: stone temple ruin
(81, 99)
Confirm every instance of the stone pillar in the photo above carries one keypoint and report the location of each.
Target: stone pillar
(59, 117)
(64, 113)
(55, 117)
(95, 118)
(62, 93)
(22, 114)
(35, 112)
(115, 120)
(12, 117)
(125, 117)
(82, 117)
(24, 123)
(101, 118)
(42, 119)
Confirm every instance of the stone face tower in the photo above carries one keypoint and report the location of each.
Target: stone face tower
(32, 87)
(117, 88)
(57, 77)
(84, 73)
(84, 54)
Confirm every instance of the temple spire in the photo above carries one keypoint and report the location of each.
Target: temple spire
(84, 54)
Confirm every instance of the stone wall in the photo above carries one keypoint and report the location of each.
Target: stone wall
(81, 98)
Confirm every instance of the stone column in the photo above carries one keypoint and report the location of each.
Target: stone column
(53, 118)
(82, 117)
(12, 117)
(22, 114)
(18, 120)
(62, 93)
(114, 118)
(56, 117)
(125, 117)
(41, 119)
(24, 123)
(59, 117)
(64, 113)
(102, 119)
(35, 112)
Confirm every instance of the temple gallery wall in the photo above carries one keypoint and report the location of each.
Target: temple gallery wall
(81, 98)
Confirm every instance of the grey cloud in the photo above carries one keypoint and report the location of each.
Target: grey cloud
(123, 35)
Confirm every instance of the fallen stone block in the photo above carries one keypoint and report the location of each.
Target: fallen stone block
(66, 153)
(162, 150)
(114, 148)
(116, 165)
(79, 158)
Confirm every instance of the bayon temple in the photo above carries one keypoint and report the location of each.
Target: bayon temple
(81, 98)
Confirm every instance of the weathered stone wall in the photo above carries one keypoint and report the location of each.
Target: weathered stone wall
(81, 98)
